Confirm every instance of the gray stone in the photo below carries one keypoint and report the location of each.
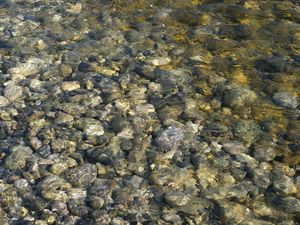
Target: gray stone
(3, 101)
(285, 99)
(82, 176)
(265, 152)
(176, 198)
(170, 138)
(31, 66)
(234, 147)
(284, 185)
(13, 92)
(290, 205)
(261, 178)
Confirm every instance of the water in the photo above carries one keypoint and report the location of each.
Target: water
(149, 112)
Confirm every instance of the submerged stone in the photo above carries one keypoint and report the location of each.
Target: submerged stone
(170, 138)
(238, 97)
(3, 101)
(285, 99)
(13, 92)
(18, 157)
(82, 176)
(176, 198)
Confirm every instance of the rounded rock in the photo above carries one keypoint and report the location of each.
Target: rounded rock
(3, 101)
(285, 99)
(13, 92)
(170, 138)
(18, 157)
(70, 85)
(176, 198)
(238, 97)
(82, 176)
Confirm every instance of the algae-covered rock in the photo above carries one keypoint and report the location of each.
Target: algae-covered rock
(247, 131)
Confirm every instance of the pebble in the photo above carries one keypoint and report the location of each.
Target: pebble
(65, 70)
(17, 158)
(94, 130)
(170, 138)
(261, 178)
(160, 61)
(238, 97)
(13, 92)
(247, 131)
(266, 152)
(3, 101)
(31, 66)
(195, 107)
(85, 67)
(176, 198)
(234, 147)
(284, 185)
(70, 85)
(82, 176)
(234, 212)
(290, 204)
(285, 99)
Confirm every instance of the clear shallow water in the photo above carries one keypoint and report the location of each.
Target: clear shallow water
(149, 112)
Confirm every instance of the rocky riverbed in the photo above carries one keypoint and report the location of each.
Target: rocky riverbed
(148, 112)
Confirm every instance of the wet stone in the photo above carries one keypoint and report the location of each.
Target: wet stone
(85, 67)
(96, 202)
(274, 64)
(3, 101)
(176, 198)
(3, 217)
(64, 118)
(233, 212)
(119, 123)
(18, 157)
(285, 99)
(172, 217)
(90, 126)
(293, 133)
(13, 92)
(134, 36)
(159, 61)
(247, 160)
(265, 151)
(146, 71)
(66, 70)
(31, 66)
(35, 203)
(194, 104)
(238, 97)
(170, 138)
(234, 147)
(290, 204)
(4, 173)
(82, 176)
(70, 85)
(247, 131)
(284, 185)
(22, 186)
(60, 208)
(261, 178)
